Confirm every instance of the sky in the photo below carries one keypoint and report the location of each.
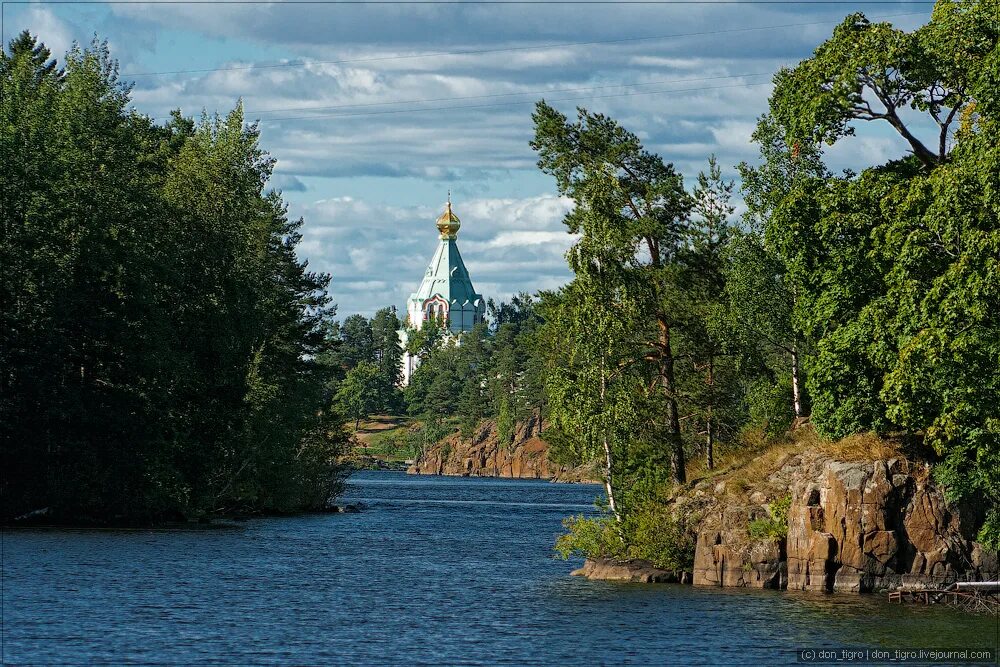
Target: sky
(375, 111)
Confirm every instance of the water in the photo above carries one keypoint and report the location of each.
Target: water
(435, 571)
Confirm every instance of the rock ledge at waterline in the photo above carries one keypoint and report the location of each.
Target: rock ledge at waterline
(853, 526)
(631, 571)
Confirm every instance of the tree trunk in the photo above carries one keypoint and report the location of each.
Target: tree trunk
(357, 424)
(710, 434)
(609, 489)
(673, 417)
(607, 479)
(710, 446)
(923, 153)
(796, 397)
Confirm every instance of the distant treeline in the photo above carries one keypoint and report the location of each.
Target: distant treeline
(492, 372)
(163, 349)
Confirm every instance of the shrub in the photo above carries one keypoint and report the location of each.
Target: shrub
(590, 537)
(775, 527)
(394, 444)
(649, 533)
(654, 534)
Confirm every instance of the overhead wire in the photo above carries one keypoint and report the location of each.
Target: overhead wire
(504, 104)
(525, 92)
(538, 47)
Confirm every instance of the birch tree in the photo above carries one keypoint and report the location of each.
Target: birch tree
(765, 267)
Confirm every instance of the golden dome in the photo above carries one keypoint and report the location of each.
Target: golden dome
(448, 223)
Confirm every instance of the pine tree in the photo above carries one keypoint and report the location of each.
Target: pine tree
(631, 212)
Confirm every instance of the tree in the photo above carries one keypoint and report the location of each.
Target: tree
(595, 395)
(516, 312)
(359, 341)
(765, 268)
(388, 354)
(631, 212)
(161, 340)
(422, 342)
(893, 267)
(871, 71)
(713, 389)
(472, 368)
(506, 368)
(358, 394)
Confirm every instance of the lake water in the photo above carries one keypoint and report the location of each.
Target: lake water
(434, 571)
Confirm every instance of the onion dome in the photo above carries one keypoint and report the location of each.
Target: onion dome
(448, 223)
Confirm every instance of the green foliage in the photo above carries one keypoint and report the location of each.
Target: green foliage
(588, 537)
(655, 535)
(375, 342)
(650, 533)
(428, 338)
(770, 405)
(358, 395)
(941, 312)
(162, 345)
(870, 300)
(711, 389)
(398, 443)
(613, 370)
(895, 270)
(358, 341)
(486, 373)
(387, 352)
(775, 527)
(767, 262)
(872, 71)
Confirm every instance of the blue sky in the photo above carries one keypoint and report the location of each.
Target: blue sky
(374, 112)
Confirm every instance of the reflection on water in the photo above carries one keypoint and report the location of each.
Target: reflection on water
(435, 570)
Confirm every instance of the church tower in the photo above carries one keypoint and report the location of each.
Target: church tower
(446, 291)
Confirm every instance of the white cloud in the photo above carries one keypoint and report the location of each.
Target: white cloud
(58, 35)
(515, 239)
(376, 243)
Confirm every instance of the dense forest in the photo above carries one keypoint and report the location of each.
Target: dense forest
(163, 350)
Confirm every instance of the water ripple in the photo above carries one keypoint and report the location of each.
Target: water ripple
(453, 571)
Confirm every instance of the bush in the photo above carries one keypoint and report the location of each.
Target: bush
(394, 444)
(649, 533)
(595, 537)
(775, 527)
(654, 534)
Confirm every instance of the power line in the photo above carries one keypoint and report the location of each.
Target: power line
(505, 104)
(469, 2)
(526, 92)
(502, 50)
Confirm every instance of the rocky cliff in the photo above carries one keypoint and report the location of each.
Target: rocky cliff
(855, 526)
(858, 525)
(483, 455)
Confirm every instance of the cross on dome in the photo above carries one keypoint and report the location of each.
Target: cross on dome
(448, 223)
